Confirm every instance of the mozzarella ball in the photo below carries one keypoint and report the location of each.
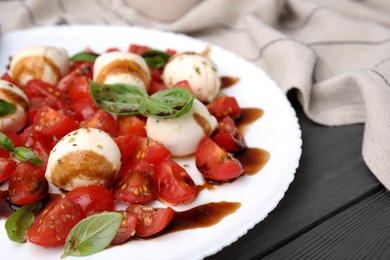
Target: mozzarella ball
(13, 122)
(83, 157)
(122, 67)
(46, 63)
(181, 135)
(198, 70)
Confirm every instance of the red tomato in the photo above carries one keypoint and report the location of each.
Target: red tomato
(101, 120)
(27, 184)
(42, 152)
(30, 136)
(91, 199)
(150, 220)
(41, 93)
(138, 49)
(183, 84)
(156, 73)
(78, 69)
(130, 125)
(225, 106)
(175, 186)
(51, 123)
(8, 78)
(84, 109)
(228, 136)
(136, 184)
(216, 164)
(135, 148)
(127, 228)
(7, 167)
(79, 90)
(155, 86)
(171, 52)
(15, 140)
(53, 224)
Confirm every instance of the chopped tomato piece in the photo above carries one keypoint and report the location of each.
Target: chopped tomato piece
(175, 185)
(127, 228)
(53, 224)
(15, 140)
(156, 73)
(138, 49)
(27, 184)
(135, 148)
(91, 199)
(51, 123)
(31, 135)
(101, 120)
(79, 90)
(41, 94)
(228, 136)
(216, 164)
(42, 152)
(78, 69)
(84, 109)
(156, 86)
(150, 220)
(136, 184)
(130, 125)
(225, 106)
(8, 78)
(183, 84)
(7, 167)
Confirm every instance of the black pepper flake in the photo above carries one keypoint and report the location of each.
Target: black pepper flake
(74, 144)
(59, 161)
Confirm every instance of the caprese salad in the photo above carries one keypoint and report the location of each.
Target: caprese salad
(106, 127)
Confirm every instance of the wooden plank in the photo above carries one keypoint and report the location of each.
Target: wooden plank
(331, 176)
(360, 232)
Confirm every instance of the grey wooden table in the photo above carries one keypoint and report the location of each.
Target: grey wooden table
(334, 209)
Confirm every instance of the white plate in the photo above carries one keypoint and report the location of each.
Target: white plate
(277, 131)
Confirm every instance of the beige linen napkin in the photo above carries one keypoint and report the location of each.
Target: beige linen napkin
(335, 52)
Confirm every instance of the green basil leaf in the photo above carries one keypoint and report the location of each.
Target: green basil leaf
(118, 99)
(6, 143)
(92, 234)
(6, 108)
(26, 154)
(155, 58)
(18, 223)
(84, 56)
(169, 103)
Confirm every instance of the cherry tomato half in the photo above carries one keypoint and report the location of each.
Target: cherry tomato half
(216, 164)
(225, 106)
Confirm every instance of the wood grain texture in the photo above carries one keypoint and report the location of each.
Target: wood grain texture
(331, 177)
(362, 231)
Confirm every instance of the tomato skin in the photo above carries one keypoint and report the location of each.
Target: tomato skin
(30, 136)
(91, 199)
(52, 225)
(27, 184)
(136, 184)
(216, 164)
(150, 220)
(7, 167)
(41, 94)
(138, 49)
(130, 125)
(78, 69)
(228, 136)
(51, 123)
(83, 109)
(155, 86)
(79, 90)
(175, 185)
(134, 148)
(101, 120)
(225, 106)
(183, 84)
(127, 228)
(42, 152)
(8, 78)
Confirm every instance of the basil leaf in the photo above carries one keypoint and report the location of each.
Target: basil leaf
(18, 223)
(169, 103)
(84, 56)
(6, 143)
(118, 99)
(155, 58)
(6, 108)
(92, 234)
(26, 154)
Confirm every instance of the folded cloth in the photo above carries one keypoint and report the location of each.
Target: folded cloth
(334, 52)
